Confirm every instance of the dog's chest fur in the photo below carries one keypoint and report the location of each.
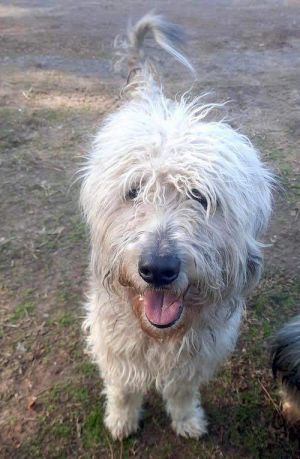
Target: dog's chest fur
(129, 356)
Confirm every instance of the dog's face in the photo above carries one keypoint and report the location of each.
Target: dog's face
(175, 206)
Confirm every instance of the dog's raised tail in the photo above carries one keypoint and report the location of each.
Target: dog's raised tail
(286, 367)
(168, 36)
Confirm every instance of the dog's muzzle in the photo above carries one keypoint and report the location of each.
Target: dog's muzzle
(161, 307)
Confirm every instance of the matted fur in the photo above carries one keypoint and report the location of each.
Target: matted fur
(139, 182)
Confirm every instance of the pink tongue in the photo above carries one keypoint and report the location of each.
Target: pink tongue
(162, 308)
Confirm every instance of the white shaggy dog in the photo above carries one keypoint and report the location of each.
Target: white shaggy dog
(175, 206)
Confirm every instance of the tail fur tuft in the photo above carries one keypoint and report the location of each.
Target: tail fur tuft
(168, 36)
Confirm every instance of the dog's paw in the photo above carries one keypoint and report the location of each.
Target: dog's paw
(193, 426)
(121, 426)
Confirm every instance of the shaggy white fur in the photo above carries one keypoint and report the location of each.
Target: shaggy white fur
(162, 180)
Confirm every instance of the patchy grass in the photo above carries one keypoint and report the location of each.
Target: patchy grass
(22, 311)
(51, 393)
(93, 429)
(88, 369)
(78, 232)
(61, 393)
(242, 403)
(61, 431)
(286, 167)
(66, 319)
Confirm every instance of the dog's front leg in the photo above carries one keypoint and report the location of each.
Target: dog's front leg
(123, 408)
(183, 405)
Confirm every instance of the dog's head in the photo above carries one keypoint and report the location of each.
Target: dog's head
(175, 205)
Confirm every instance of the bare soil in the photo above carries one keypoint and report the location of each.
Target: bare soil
(56, 84)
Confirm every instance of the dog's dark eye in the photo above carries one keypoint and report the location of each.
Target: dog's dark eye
(197, 196)
(132, 194)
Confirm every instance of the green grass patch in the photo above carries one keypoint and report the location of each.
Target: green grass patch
(67, 392)
(48, 242)
(93, 429)
(61, 430)
(66, 295)
(66, 319)
(23, 311)
(278, 297)
(78, 232)
(88, 369)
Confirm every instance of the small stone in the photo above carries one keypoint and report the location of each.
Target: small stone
(21, 348)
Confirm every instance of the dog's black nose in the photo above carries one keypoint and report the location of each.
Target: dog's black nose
(158, 270)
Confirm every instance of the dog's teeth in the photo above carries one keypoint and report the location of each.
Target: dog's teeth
(141, 298)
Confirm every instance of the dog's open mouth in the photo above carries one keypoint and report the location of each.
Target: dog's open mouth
(162, 308)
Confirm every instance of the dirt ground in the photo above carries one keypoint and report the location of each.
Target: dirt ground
(56, 83)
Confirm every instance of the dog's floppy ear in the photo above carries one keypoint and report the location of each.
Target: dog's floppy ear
(254, 265)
